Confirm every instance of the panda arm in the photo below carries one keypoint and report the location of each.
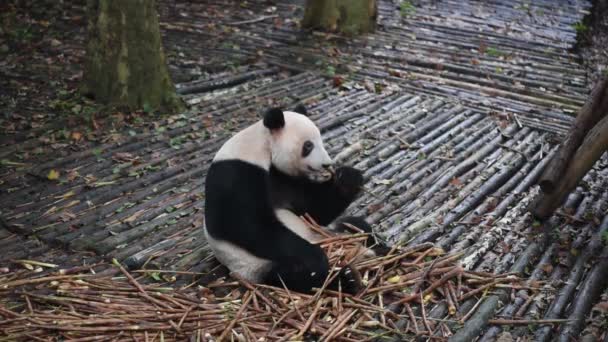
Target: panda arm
(325, 201)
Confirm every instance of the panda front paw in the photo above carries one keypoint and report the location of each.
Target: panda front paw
(349, 180)
(373, 242)
(348, 281)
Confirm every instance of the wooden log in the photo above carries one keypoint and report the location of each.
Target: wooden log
(565, 295)
(510, 309)
(203, 87)
(589, 294)
(593, 110)
(592, 148)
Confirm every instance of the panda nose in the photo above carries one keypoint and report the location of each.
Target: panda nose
(328, 167)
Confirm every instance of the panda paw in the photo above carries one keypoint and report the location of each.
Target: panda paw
(349, 180)
(379, 247)
(356, 221)
(348, 281)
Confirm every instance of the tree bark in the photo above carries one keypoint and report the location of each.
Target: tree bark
(125, 65)
(350, 17)
(592, 148)
(588, 116)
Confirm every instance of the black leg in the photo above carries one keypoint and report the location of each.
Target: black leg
(300, 272)
(348, 281)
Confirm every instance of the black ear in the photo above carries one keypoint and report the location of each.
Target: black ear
(274, 119)
(300, 108)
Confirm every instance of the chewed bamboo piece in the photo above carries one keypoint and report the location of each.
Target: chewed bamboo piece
(123, 306)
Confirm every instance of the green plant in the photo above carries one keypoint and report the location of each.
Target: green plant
(580, 27)
(407, 9)
(493, 52)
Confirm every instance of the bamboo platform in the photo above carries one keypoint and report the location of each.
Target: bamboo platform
(452, 109)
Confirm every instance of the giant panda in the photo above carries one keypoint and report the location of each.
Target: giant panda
(258, 183)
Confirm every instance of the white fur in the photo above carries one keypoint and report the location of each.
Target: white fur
(251, 145)
(286, 148)
(257, 145)
(297, 225)
(239, 260)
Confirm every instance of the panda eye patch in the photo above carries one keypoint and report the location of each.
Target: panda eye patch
(307, 148)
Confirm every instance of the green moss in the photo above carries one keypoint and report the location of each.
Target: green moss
(493, 52)
(350, 17)
(407, 8)
(135, 74)
(580, 27)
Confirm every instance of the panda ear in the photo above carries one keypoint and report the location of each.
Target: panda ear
(300, 108)
(274, 119)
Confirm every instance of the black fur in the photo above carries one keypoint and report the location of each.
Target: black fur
(300, 108)
(325, 201)
(378, 246)
(274, 119)
(237, 210)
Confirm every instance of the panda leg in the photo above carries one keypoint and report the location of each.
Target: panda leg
(286, 273)
(302, 273)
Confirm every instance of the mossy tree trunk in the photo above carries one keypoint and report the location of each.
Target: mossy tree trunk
(350, 17)
(125, 64)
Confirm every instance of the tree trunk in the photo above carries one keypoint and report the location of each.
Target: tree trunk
(125, 65)
(350, 17)
(590, 151)
(592, 112)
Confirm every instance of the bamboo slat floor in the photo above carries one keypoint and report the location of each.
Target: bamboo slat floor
(452, 109)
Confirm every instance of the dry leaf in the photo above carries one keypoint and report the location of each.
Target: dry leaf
(602, 306)
(53, 174)
(394, 73)
(455, 181)
(394, 280)
(338, 81)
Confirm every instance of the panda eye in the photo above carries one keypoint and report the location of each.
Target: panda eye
(307, 148)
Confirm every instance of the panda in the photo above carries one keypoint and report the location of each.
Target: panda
(258, 183)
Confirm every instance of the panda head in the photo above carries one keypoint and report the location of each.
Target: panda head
(296, 145)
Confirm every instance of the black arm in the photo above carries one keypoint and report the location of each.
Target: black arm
(325, 202)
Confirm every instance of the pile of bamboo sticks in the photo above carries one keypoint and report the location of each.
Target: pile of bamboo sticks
(398, 288)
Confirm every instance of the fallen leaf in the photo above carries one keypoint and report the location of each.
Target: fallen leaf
(53, 174)
(547, 268)
(72, 175)
(76, 136)
(374, 207)
(123, 156)
(338, 81)
(602, 306)
(455, 181)
(394, 280)
(394, 73)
